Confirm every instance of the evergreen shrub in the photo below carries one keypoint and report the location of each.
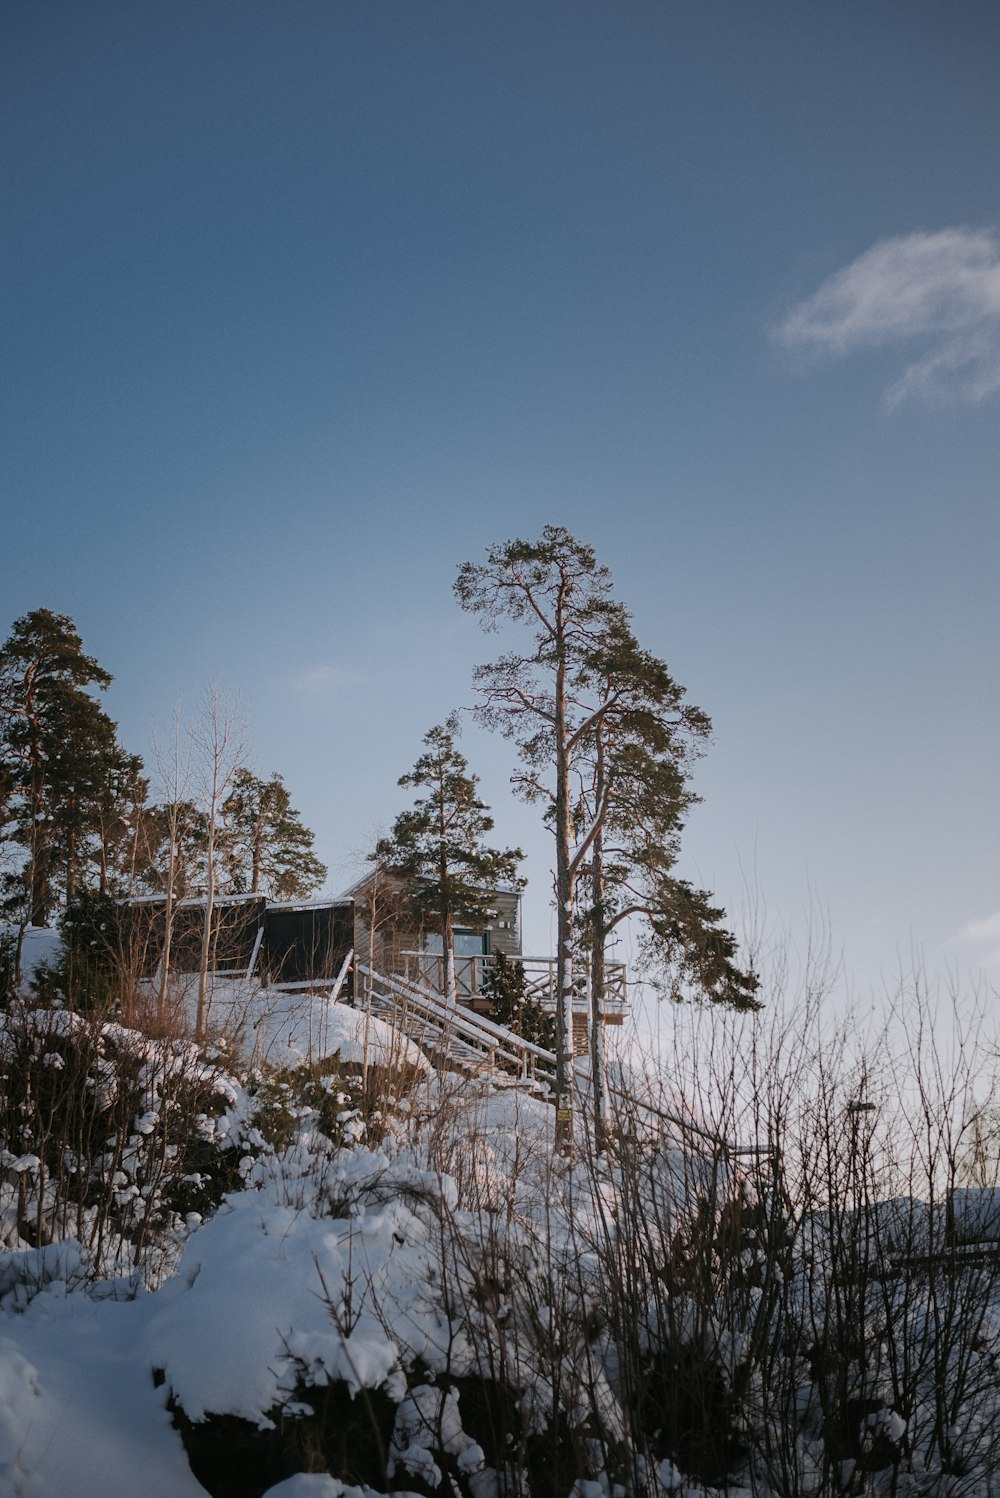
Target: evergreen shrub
(505, 985)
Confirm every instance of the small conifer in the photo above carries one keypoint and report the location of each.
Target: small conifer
(506, 986)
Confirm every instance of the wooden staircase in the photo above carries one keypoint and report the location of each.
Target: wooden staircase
(452, 1036)
(468, 1042)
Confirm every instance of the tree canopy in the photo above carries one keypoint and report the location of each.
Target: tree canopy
(60, 757)
(266, 848)
(76, 820)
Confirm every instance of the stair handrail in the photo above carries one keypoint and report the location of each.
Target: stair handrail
(486, 1030)
(469, 1022)
(411, 986)
(492, 1038)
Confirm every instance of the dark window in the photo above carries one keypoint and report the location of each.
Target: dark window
(308, 945)
(235, 925)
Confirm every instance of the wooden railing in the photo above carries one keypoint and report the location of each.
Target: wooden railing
(441, 1029)
(471, 1038)
(540, 972)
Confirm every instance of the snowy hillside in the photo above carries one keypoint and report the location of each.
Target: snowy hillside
(308, 1282)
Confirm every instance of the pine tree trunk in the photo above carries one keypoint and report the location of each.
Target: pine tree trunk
(71, 867)
(35, 876)
(564, 918)
(598, 1079)
(447, 924)
(450, 977)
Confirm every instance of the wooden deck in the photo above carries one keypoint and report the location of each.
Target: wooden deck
(540, 972)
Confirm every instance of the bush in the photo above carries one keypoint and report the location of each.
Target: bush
(111, 1138)
(344, 1102)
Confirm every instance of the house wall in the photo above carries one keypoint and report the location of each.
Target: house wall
(505, 928)
(307, 942)
(297, 943)
(384, 928)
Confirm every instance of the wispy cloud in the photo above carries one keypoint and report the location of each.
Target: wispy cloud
(321, 680)
(985, 935)
(937, 295)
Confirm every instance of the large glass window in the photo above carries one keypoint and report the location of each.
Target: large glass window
(467, 944)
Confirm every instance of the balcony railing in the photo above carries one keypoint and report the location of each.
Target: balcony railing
(540, 972)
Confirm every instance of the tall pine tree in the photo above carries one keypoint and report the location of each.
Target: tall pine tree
(634, 770)
(604, 738)
(171, 853)
(540, 697)
(121, 809)
(437, 846)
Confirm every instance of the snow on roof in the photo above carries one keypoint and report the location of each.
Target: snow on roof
(320, 902)
(359, 885)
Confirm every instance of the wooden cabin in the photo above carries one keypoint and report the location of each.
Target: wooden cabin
(387, 937)
(303, 945)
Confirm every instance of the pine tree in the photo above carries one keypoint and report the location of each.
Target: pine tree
(639, 760)
(437, 846)
(93, 967)
(172, 843)
(121, 810)
(267, 848)
(540, 699)
(604, 738)
(634, 769)
(59, 749)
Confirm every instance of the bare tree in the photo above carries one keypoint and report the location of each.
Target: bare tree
(173, 765)
(218, 741)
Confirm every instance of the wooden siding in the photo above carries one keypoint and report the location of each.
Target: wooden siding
(384, 928)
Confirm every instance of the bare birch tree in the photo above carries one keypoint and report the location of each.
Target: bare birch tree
(173, 766)
(218, 742)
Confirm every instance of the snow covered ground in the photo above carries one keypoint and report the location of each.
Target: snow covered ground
(79, 1413)
(412, 1291)
(256, 1308)
(292, 1029)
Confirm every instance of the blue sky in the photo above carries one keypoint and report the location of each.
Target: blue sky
(306, 304)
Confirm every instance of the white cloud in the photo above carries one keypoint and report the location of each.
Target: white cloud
(321, 680)
(937, 294)
(985, 935)
(982, 931)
